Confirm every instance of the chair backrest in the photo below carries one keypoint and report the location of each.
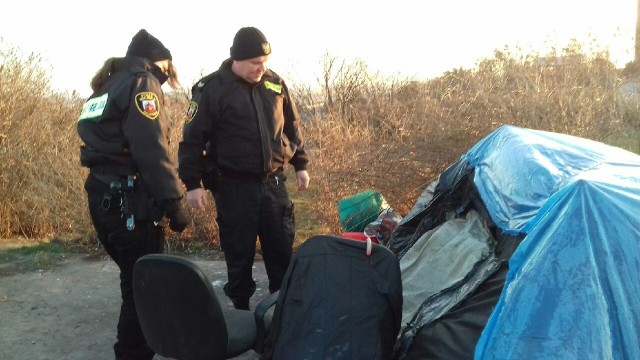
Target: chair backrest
(180, 314)
(337, 302)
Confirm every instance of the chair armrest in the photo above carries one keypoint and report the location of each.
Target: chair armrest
(263, 320)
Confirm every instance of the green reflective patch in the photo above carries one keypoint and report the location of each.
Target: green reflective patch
(93, 107)
(274, 87)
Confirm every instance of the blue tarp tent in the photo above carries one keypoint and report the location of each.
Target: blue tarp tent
(567, 211)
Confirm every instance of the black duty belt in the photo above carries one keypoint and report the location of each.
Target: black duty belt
(226, 174)
(118, 170)
(108, 174)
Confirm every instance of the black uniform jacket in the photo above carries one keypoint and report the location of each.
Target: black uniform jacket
(125, 130)
(251, 128)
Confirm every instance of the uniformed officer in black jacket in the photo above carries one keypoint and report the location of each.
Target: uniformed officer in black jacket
(244, 122)
(133, 182)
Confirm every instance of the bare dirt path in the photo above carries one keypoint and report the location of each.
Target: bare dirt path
(69, 309)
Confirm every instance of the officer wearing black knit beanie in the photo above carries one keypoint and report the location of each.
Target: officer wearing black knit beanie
(248, 43)
(147, 46)
(132, 182)
(243, 115)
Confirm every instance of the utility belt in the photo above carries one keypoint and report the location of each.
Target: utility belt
(128, 194)
(234, 175)
(115, 170)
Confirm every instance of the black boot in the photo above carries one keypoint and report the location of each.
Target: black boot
(240, 304)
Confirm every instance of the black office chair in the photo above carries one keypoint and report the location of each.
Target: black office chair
(181, 316)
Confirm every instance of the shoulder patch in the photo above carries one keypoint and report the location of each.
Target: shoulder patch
(273, 87)
(94, 108)
(191, 112)
(147, 103)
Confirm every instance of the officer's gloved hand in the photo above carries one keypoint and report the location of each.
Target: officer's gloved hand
(177, 214)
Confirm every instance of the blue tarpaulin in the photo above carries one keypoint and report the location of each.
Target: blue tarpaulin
(573, 286)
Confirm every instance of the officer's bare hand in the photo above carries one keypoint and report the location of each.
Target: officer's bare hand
(302, 179)
(197, 198)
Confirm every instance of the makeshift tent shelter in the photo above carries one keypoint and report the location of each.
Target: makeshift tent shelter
(527, 247)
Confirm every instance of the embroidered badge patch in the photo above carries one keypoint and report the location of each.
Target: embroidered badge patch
(147, 103)
(191, 112)
(266, 48)
(274, 87)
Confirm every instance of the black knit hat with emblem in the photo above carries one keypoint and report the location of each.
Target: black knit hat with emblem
(248, 43)
(147, 46)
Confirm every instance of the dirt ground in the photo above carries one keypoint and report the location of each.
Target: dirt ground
(66, 307)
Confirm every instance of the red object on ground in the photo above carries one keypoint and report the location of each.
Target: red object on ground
(358, 236)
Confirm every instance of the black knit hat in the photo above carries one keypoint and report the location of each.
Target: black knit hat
(147, 46)
(248, 43)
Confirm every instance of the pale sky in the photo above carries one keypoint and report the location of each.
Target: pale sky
(406, 38)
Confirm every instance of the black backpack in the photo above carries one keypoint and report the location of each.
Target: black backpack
(337, 302)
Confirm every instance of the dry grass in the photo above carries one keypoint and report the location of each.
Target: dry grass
(363, 132)
(40, 176)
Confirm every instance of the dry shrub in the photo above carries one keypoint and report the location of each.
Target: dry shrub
(629, 107)
(396, 135)
(366, 132)
(363, 131)
(566, 92)
(39, 170)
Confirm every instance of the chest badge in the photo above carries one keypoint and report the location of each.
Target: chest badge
(147, 104)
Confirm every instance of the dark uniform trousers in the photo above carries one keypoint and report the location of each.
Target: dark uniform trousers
(250, 207)
(124, 247)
